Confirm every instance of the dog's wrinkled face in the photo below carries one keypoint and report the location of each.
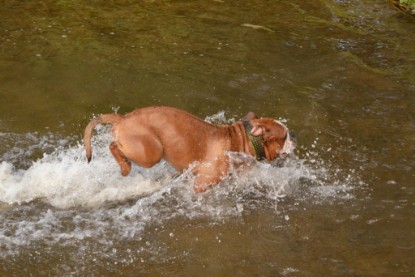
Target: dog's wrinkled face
(277, 139)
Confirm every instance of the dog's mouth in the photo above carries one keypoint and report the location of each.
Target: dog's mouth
(289, 145)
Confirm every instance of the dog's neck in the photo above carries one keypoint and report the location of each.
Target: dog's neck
(255, 141)
(239, 140)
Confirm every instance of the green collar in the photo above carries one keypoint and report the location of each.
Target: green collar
(256, 142)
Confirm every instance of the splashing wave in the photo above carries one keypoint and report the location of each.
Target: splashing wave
(62, 199)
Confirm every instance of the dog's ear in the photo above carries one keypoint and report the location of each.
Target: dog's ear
(258, 127)
(249, 116)
(258, 130)
(266, 128)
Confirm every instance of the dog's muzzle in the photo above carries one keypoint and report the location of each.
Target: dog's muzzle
(289, 145)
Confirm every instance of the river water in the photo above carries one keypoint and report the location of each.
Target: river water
(341, 74)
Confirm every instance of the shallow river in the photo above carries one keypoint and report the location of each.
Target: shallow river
(341, 74)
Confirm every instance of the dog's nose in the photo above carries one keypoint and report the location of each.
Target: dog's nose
(289, 145)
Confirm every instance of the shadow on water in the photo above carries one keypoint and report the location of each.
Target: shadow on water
(341, 73)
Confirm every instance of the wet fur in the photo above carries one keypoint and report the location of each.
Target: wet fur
(147, 135)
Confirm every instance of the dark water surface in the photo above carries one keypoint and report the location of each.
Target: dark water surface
(340, 73)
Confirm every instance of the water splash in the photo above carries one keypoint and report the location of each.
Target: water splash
(62, 199)
(63, 179)
(219, 118)
(22, 149)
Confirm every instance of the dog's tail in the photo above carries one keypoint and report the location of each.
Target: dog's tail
(102, 119)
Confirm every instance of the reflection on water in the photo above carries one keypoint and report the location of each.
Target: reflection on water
(340, 72)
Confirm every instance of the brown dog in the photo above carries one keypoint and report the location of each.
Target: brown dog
(147, 135)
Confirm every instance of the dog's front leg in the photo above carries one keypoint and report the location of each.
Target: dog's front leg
(209, 174)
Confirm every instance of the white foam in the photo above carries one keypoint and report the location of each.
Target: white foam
(64, 179)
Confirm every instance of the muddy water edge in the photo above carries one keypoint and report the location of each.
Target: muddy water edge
(340, 73)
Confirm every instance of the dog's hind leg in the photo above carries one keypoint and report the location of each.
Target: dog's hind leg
(144, 150)
(122, 160)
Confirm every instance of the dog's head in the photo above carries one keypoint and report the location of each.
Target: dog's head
(275, 136)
